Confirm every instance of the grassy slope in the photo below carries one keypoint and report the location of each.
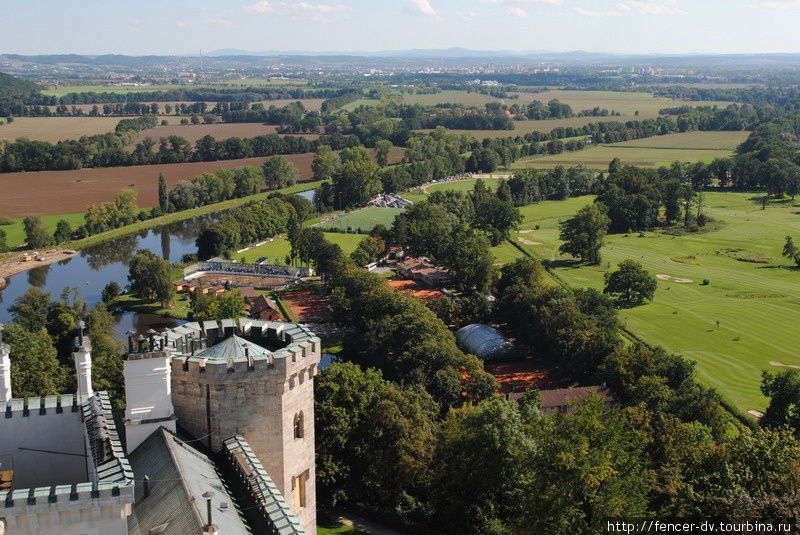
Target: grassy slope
(757, 305)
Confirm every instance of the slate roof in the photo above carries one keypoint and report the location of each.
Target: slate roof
(179, 476)
(264, 492)
(232, 350)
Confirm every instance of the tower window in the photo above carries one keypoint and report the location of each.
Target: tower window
(299, 425)
(299, 488)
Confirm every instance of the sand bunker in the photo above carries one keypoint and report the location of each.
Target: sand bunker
(782, 365)
(529, 242)
(526, 231)
(673, 279)
(757, 414)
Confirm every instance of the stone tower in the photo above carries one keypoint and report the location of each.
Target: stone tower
(252, 378)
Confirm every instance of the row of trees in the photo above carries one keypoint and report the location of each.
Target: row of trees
(250, 223)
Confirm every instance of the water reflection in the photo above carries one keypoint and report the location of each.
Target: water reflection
(97, 266)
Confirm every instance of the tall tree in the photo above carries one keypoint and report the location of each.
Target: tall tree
(36, 233)
(630, 284)
(149, 277)
(279, 172)
(163, 193)
(35, 370)
(63, 231)
(383, 152)
(583, 234)
(325, 163)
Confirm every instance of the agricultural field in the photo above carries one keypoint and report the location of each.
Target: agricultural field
(462, 186)
(60, 192)
(55, 129)
(193, 132)
(752, 291)
(449, 96)
(279, 248)
(364, 219)
(626, 103)
(647, 152)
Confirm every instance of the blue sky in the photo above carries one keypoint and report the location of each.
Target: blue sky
(187, 27)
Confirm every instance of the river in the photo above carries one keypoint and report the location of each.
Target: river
(94, 267)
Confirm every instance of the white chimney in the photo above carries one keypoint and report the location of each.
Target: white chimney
(83, 361)
(148, 394)
(5, 370)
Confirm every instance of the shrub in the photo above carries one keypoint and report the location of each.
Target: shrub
(705, 282)
(6, 221)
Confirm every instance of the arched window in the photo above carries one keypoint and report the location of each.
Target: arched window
(299, 425)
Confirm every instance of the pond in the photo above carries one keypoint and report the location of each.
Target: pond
(96, 266)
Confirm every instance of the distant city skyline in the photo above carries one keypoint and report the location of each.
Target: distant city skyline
(184, 27)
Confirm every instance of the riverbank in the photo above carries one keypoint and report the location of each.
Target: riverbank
(139, 226)
(14, 263)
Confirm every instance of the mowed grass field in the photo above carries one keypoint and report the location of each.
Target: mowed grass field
(279, 248)
(364, 219)
(757, 304)
(55, 129)
(648, 152)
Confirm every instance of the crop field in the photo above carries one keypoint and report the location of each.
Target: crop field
(193, 132)
(280, 247)
(364, 219)
(67, 192)
(55, 129)
(753, 292)
(648, 152)
(626, 103)
(445, 97)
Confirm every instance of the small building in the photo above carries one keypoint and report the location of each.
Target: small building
(420, 269)
(264, 309)
(485, 342)
(248, 293)
(559, 399)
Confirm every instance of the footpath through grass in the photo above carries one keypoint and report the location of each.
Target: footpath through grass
(753, 292)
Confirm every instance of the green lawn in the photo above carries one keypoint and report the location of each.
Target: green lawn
(330, 527)
(280, 247)
(364, 219)
(757, 304)
(462, 185)
(15, 233)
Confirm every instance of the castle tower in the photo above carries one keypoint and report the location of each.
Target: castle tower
(5, 370)
(148, 390)
(256, 381)
(83, 361)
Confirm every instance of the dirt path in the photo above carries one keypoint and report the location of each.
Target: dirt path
(15, 265)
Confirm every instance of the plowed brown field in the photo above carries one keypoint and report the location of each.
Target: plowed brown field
(70, 192)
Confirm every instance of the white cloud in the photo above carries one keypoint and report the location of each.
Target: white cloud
(466, 16)
(517, 12)
(299, 10)
(656, 7)
(644, 7)
(788, 4)
(133, 29)
(592, 13)
(180, 24)
(210, 18)
(422, 7)
(549, 2)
